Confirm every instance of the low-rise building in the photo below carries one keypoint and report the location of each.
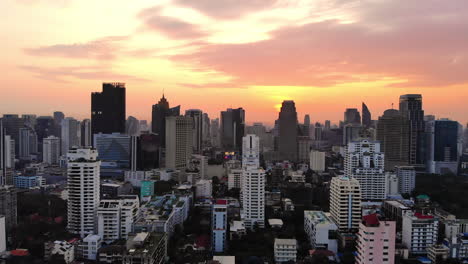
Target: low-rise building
(90, 246)
(321, 231)
(457, 246)
(237, 230)
(419, 232)
(203, 189)
(437, 253)
(148, 248)
(285, 250)
(62, 248)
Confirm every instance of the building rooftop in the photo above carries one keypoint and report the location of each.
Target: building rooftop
(371, 220)
(319, 217)
(283, 241)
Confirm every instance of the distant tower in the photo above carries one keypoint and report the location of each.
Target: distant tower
(253, 197)
(411, 108)
(232, 128)
(108, 109)
(287, 144)
(251, 151)
(366, 116)
(70, 134)
(197, 128)
(160, 111)
(352, 116)
(51, 150)
(179, 141)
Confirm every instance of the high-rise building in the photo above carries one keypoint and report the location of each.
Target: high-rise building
(365, 162)
(253, 197)
(406, 178)
(197, 128)
(232, 128)
(2, 234)
(303, 148)
(145, 152)
(159, 113)
(12, 125)
(57, 129)
(179, 141)
(45, 127)
(351, 132)
(8, 206)
(317, 161)
(83, 176)
(215, 133)
(287, 140)
(235, 179)
(366, 116)
(376, 241)
(206, 130)
(219, 226)
(251, 151)
(442, 146)
(108, 109)
(71, 134)
(86, 137)
(321, 231)
(132, 126)
(113, 147)
(7, 157)
(352, 116)
(306, 129)
(28, 143)
(51, 150)
(419, 231)
(393, 134)
(411, 108)
(345, 203)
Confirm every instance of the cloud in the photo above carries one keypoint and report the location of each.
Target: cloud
(101, 49)
(226, 9)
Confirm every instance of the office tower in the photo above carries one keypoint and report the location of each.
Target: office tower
(28, 143)
(29, 120)
(108, 109)
(317, 161)
(219, 226)
(321, 231)
(71, 134)
(393, 134)
(206, 129)
(406, 178)
(179, 140)
(251, 151)
(352, 116)
(428, 118)
(366, 116)
(327, 125)
(266, 138)
(83, 190)
(44, 127)
(303, 148)
(318, 133)
(351, 132)
(419, 231)
(115, 217)
(145, 152)
(7, 157)
(365, 162)
(306, 126)
(442, 146)
(159, 113)
(235, 179)
(57, 124)
(411, 108)
(113, 147)
(86, 137)
(345, 202)
(376, 241)
(12, 125)
(197, 128)
(232, 128)
(8, 206)
(287, 141)
(285, 250)
(132, 126)
(253, 197)
(51, 150)
(215, 133)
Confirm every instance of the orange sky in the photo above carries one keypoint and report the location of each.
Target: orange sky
(326, 55)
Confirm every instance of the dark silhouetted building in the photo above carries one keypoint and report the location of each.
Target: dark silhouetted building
(232, 128)
(366, 116)
(411, 108)
(12, 125)
(197, 117)
(108, 109)
(58, 117)
(145, 152)
(352, 116)
(288, 131)
(160, 111)
(442, 138)
(45, 127)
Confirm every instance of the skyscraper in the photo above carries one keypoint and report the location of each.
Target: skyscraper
(12, 125)
(393, 134)
(8, 206)
(86, 137)
(83, 178)
(345, 202)
(51, 150)
(411, 108)
(232, 128)
(352, 116)
(197, 128)
(70, 134)
(113, 147)
(251, 151)
(108, 109)
(159, 113)
(58, 117)
(287, 140)
(132, 126)
(45, 127)
(179, 140)
(215, 133)
(145, 152)
(253, 197)
(7, 157)
(366, 116)
(219, 226)
(206, 130)
(28, 143)
(442, 146)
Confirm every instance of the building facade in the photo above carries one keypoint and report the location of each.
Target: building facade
(345, 203)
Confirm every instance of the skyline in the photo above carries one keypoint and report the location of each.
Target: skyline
(325, 55)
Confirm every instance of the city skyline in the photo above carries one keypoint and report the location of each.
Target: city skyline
(324, 55)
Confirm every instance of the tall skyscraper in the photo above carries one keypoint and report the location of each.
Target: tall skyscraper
(28, 143)
(8, 206)
(145, 152)
(132, 126)
(108, 109)
(215, 133)
(232, 128)
(365, 162)
(406, 179)
(86, 137)
(251, 151)
(12, 125)
(44, 127)
(7, 157)
(327, 125)
(352, 116)
(253, 197)
(206, 130)
(411, 108)
(51, 150)
(345, 202)
(159, 113)
(366, 116)
(179, 140)
(197, 128)
(71, 134)
(83, 176)
(219, 226)
(393, 134)
(442, 146)
(306, 126)
(58, 117)
(287, 140)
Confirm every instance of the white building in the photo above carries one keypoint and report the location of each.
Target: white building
(365, 162)
(70, 135)
(419, 231)
(200, 163)
(179, 141)
(392, 183)
(64, 249)
(235, 179)
(219, 226)
(285, 250)
(406, 178)
(345, 202)
(203, 189)
(116, 217)
(83, 177)
(251, 151)
(90, 246)
(321, 231)
(253, 197)
(317, 161)
(51, 150)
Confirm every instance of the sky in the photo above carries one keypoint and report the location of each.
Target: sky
(326, 55)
